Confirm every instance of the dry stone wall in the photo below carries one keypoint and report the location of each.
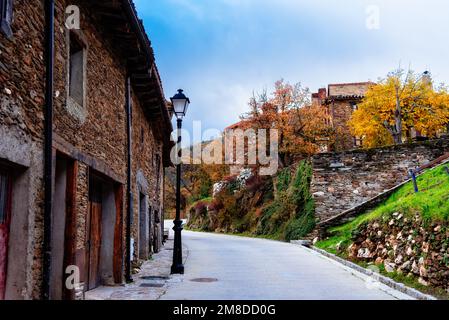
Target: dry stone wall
(405, 245)
(342, 181)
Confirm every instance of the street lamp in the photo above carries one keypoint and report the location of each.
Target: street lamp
(180, 105)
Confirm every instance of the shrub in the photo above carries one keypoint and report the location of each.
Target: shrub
(292, 213)
(284, 178)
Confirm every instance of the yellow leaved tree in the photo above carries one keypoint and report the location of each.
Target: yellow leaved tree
(397, 104)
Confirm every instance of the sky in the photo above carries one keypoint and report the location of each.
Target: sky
(220, 51)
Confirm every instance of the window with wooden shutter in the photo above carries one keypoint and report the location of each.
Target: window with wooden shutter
(6, 17)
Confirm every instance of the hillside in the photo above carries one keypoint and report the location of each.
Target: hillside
(279, 207)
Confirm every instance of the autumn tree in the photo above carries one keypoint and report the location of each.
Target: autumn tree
(288, 109)
(397, 104)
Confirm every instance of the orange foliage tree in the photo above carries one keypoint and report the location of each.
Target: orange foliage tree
(302, 127)
(397, 104)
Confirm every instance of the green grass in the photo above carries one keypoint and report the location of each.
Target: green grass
(432, 202)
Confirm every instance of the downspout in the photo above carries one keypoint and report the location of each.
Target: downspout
(128, 181)
(48, 145)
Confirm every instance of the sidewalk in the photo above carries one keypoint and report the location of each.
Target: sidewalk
(149, 284)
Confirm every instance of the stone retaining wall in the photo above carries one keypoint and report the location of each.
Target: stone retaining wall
(343, 181)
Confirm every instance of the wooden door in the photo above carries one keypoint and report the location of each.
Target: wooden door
(94, 242)
(5, 217)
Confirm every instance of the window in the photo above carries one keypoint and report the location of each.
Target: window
(6, 17)
(76, 70)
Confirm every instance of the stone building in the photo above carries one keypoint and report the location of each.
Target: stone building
(84, 138)
(340, 101)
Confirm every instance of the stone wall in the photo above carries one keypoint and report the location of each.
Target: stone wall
(405, 245)
(342, 181)
(22, 75)
(96, 140)
(147, 160)
(348, 89)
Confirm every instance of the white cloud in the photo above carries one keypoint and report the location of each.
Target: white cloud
(222, 50)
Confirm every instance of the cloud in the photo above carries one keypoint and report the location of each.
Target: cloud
(219, 51)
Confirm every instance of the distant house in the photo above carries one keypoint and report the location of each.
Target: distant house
(340, 101)
(103, 210)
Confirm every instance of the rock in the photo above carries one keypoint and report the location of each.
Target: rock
(423, 282)
(437, 229)
(409, 251)
(423, 272)
(395, 214)
(415, 268)
(425, 247)
(8, 91)
(379, 261)
(421, 261)
(338, 246)
(391, 222)
(406, 266)
(315, 240)
(319, 194)
(399, 259)
(389, 267)
(361, 253)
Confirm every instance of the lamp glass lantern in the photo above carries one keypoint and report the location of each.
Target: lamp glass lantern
(180, 104)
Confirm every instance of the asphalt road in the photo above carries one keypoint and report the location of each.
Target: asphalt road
(254, 269)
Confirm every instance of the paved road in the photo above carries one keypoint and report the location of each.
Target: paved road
(256, 269)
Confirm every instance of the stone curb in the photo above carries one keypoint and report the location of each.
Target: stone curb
(378, 277)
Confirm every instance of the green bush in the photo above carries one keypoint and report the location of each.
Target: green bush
(292, 213)
(284, 178)
(286, 212)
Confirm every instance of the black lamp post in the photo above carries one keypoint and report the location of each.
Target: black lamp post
(180, 104)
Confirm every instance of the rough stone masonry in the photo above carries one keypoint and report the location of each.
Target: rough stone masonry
(342, 181)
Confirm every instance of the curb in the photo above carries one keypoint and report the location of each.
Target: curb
(376, 276)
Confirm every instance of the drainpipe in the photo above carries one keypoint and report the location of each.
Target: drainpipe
(48, 145)
(129, 189)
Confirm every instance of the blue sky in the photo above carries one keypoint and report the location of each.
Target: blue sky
(219, 51)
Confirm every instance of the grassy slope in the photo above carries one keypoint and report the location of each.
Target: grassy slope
(432, 202)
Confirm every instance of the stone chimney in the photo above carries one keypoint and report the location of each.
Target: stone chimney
(319, 97)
